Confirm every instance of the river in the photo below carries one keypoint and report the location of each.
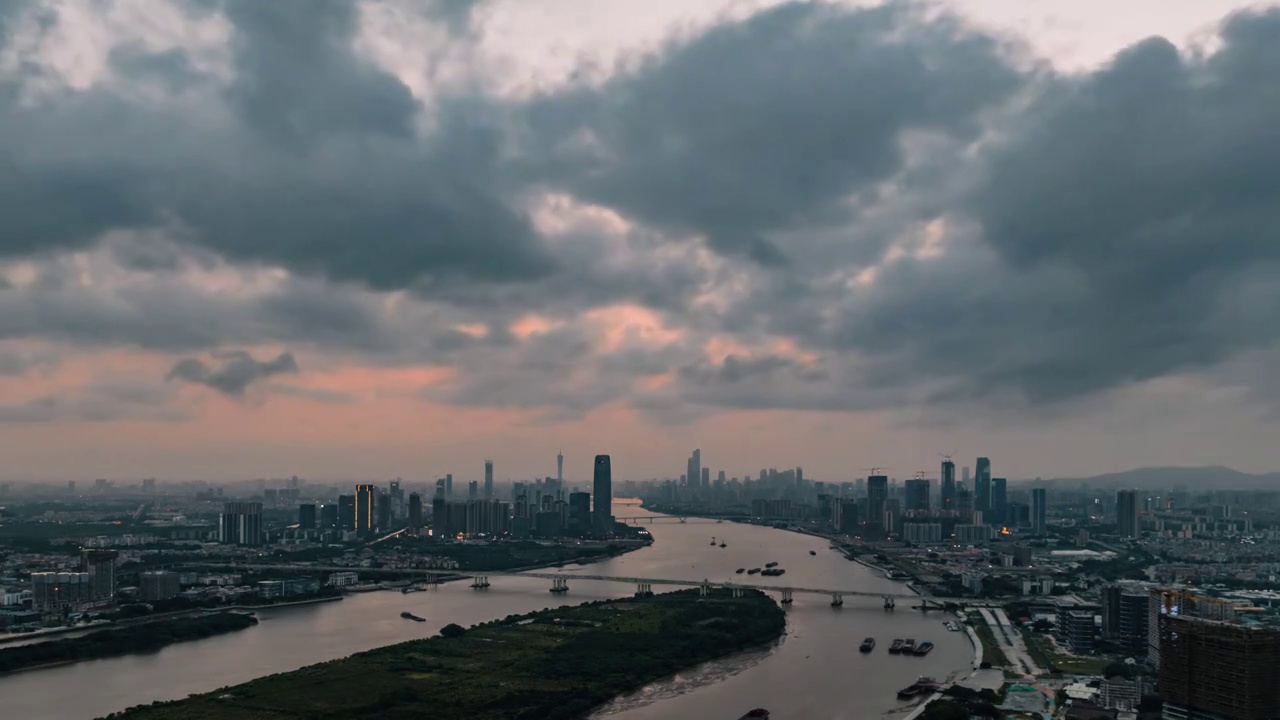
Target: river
(815, 672)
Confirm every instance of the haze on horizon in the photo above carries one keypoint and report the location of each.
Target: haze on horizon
(387, 238)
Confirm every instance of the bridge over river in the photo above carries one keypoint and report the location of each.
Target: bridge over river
(644, 585)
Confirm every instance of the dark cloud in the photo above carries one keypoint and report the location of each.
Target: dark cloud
(1036, 237)
(231, 372)
(20, 362)
(768, 124)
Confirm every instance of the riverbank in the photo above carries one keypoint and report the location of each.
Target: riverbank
(120, 641)
(557, 663)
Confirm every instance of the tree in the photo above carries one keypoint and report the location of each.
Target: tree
(1117, 669)
(452, 630)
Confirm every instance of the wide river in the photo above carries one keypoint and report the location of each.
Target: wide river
(815, 672)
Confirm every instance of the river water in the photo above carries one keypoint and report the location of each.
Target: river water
(815, 672)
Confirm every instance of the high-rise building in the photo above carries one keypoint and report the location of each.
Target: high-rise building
(100, 565)
(415, 512)
(440, 488)
(1127, 524)
(307, 516)
(693, 469)
(1125, 616)
(488, 479)
(579, 513)
(158, 585)
(1218, 669)
(54, 590)
(347, 512)
(1075, 630)
(877, 496)
(706, 479)
(948, 485)
(473, 490)
(1000, 500)
(982, 485)
(1039, 511)
(366, 517)
(384, 512)
(964, 475)
(329, 516)
(148, 485)
(240, 523)
(602, 495)
(917, 494)
(448, 485)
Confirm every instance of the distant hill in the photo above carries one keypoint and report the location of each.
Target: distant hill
(1158, 478)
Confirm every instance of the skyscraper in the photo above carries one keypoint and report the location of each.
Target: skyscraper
(693, 473)
(488, 479)
(560, 467)
(384, 512)
(240, 523)
(579, 513)
(307, 516)
(982, 485)
(347, 512)
(1127, 524)
(415, 512)
(948, 485)
(602, 491)
(1039, 511)
(917, 492)
(473, 490)
(1000, 500)
(706, 479)
(366, 507)
(448, 485)
(877, 495)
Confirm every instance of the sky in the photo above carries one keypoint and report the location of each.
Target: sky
(361, 240)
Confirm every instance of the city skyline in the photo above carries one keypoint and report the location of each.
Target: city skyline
(406, 236)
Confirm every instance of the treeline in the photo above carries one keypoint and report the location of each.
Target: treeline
(148, 637)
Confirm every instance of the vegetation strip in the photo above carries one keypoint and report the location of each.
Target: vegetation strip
(121, 641)
(547, 665)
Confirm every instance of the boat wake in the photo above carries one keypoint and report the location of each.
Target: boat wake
(698, 676)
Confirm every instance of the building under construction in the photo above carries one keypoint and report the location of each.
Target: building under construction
(1218, 669)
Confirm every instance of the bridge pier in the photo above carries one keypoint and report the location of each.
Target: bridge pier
(739, 592)
(644, 590)
(786, 597)
(888, 603)
(480, 582)
(559, 585)
(837, 600)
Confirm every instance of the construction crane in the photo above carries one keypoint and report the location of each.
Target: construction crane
(923, 474)
(875, 470)
(948, 456)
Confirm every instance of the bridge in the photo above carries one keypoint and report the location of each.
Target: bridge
(644, 585)
(682, 519)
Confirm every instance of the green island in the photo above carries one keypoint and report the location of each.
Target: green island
(122, 641)
(547, 665)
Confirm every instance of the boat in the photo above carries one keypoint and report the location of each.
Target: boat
(919, 687)
(741, 570)
(896, 647)
(411, 589)
(723, 545)
(753, 571)
(923, 648)
(771, 564)
(771, 572)
(713, 541)
(908, 646)
(813, 552)
(868, 645)
(757, 714)
(410, 616)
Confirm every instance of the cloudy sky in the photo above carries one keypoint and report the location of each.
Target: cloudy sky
(349, 239)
